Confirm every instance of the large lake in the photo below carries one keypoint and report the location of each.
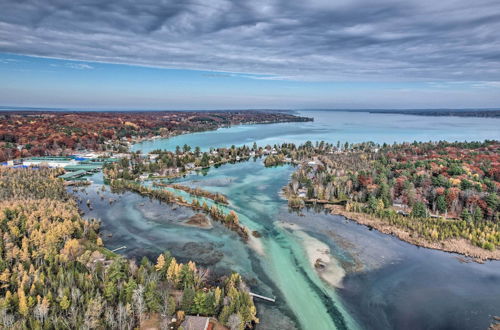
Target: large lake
(333, 126)
(373, 281)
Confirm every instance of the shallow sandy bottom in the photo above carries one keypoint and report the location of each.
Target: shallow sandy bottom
(331, 271)
(256, 244)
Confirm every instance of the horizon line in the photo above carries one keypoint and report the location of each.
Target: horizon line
(80, 109)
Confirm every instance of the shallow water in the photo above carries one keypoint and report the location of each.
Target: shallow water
(386, 283)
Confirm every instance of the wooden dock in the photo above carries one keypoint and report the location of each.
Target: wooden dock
(118, 249)
(262, 297)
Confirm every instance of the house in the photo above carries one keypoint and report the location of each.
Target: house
(302, 193)
(90, 155)
(403, 213)
(399, 205)
(195, 323)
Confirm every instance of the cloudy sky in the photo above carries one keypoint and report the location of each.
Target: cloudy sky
(250, 54)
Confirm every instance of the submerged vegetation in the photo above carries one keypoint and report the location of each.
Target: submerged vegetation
(55, 273)
(229, 219)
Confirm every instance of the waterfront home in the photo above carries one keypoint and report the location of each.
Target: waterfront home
(302, 192)
(195, 323)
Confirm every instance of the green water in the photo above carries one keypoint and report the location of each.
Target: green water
(253, 193)
(388, 284)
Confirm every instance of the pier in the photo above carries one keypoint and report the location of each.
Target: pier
(262, 297)
(118, 249)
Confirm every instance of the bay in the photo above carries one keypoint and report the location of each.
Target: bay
(333, 126)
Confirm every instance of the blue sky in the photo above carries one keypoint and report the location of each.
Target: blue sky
(47, 82)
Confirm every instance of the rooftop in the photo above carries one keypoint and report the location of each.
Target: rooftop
(84, 167)
(195, 323)
(72, 175)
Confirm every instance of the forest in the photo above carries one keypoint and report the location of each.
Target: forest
(438, 190)
(34, 133)
(55, 272)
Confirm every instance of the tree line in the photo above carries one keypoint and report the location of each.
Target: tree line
(56, 274)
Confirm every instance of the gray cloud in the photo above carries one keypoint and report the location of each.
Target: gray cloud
(450, 40)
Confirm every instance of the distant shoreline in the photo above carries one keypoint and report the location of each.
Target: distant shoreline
(480, 113)
(443, 112)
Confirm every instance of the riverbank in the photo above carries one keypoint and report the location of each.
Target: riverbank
(230, 220)
(460, 246)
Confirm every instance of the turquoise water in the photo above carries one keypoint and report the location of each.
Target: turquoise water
(374, 281)
(274, 265)
(340, 126)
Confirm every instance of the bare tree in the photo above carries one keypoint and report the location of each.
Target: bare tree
(234, 322)
(109, 315)
(121, 316)
(93, 314)
(138, 301)
(6, 319)
(40, 312)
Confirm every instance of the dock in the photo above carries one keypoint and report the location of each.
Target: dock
(118, 249)
(262, 297)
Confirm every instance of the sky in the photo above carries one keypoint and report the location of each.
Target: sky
(219, 54)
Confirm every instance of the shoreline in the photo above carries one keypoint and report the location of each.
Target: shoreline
(456, 245)
(173, 134)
